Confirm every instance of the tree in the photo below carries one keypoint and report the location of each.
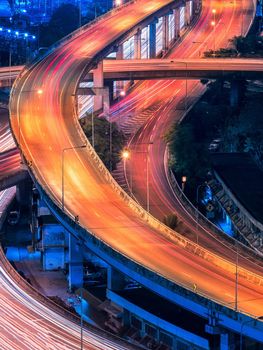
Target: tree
(102, 139)
(171, 221)
(63, 21)
(188, 157)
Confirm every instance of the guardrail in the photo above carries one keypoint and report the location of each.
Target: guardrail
(202, 220)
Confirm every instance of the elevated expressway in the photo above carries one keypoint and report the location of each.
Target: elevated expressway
(214, 68)
(9, 74)
(195, 68)
(45, 124)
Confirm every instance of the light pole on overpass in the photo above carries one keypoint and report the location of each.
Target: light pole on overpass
(126, 155)
(62, 171)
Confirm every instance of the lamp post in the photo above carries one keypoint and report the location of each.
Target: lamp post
(80, 10)
(62, 171)
(213, 24)
(242, 18)
(118, 3)
(184, 179)
(259, 318)
(126, 155)
(197, 211)
(81, 320)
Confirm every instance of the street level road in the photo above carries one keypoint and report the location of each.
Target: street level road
(27, 324)
(163, 103)
(42, 119)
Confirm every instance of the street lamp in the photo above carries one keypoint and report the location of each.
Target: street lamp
(62, 171)
(259, 318)
(127, 154)
(214, 13)
(213, 24)
(118, 3)
(197, 211)
(184, 179)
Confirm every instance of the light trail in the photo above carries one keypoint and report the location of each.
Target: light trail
(45, 125)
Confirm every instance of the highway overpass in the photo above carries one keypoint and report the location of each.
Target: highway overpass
(114, 226)
(146, 69)
(213, 68)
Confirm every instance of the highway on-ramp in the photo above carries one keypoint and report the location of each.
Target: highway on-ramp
(44, 122)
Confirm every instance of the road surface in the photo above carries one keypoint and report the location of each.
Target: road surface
(44, 123)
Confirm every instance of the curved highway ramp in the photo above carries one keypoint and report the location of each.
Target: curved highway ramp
(45, 124)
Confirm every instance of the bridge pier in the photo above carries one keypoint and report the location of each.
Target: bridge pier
(176, 23)
(137, 45)
(115, 279)
(119, 56)
(187, 13)
(98, 82)
(152, 39)
(75, 275)
(234, 93)
(23, 191)
(165, 32)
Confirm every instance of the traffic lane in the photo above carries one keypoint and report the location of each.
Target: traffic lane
(163, 202)
(85, 186)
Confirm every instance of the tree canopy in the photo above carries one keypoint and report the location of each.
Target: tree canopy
(64, 20)
(102, 130)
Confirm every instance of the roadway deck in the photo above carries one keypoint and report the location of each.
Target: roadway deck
(244, 179)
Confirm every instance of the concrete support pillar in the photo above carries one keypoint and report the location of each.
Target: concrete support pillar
(75, 276)
(234, 93)
(109, 86)
(197, 6)
(106, 101)
(176, 23)
(98, 82)
(165, 32)
(119, 53)
(224, 342)
(152, 39)
(119, 56)
(137, 45)
(23, 192)
(187, 13)
(115, 279)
